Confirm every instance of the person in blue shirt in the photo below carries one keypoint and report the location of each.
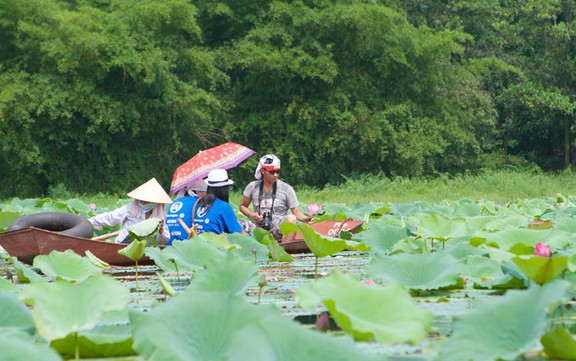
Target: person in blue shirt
(211, 213)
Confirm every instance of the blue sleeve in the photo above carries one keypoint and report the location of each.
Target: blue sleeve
(230, 220)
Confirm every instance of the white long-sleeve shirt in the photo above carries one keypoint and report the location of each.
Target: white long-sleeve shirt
(131, 214)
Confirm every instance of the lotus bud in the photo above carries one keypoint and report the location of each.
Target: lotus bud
(254, 250)
(323, 322)
(264, 282)
(542, 250)
(93, 206)
(370, 282)
(314, 208)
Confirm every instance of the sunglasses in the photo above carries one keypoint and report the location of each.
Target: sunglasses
(272, 171)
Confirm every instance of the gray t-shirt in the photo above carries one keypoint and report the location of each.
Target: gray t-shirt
(285, 198)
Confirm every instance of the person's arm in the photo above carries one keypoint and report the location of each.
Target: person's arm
(300, 215)
(244, 204)
(112, 218)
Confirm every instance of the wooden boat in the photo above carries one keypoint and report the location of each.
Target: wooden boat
(27, 243)
(326, 228)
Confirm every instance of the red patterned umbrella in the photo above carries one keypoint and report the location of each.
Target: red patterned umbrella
(223, 156)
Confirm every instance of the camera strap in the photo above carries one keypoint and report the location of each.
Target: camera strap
(260, 196)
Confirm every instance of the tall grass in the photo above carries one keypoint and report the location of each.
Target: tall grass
(500, 186)
(497, 185)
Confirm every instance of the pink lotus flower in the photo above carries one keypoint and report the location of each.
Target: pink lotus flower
(542, 250)
(93, 206)
(314, 208)
(370, 282)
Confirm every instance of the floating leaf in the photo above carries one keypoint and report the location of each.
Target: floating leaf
(61, 308)
(186, 255)
(368, 312)
(8, 286)
(207, 319)
(280, 339)
(25, 273)
(14, 314)
(559, 344)
(440, 228)
(67, 266)
(541, 269)
(417, 271)
(232, 275)
(17, 345)
(503, 328)
(322, 246)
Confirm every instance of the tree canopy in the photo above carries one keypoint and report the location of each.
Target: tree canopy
(101, 95)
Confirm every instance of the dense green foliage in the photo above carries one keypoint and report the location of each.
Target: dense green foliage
(101, 95)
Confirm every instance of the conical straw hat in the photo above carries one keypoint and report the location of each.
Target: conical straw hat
(151, 191)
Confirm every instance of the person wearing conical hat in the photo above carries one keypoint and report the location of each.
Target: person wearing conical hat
(150, 200)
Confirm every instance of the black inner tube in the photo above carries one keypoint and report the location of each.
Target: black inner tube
(65, 223)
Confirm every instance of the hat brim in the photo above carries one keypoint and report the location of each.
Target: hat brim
(151, 191)
(223, 183)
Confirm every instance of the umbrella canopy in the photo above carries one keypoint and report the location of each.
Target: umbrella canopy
(223, 156)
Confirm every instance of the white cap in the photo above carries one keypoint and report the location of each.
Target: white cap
(218, 178)
(270, 162)
(151, 191)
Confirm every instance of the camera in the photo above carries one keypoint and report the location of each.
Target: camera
(266, 220)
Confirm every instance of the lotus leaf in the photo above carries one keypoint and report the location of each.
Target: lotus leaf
(187, 255)
(67, 266)
(319, 245)
(380, 236)
(233, 275)
(7, 286)
(428, 271)
(439, 227)
(193, 326)
(559, 344)
(25, 273)
(99, 342)
(541, 269)
(14, 314)
(485, 272)
(275, 338)
(18, 346)
(368, 312)
(145, 230)
(166, 286)
(61, 308)
(95, 260)
(135, 250)
(247, 243)
(503, 328)
(219, 240)
(508, 238)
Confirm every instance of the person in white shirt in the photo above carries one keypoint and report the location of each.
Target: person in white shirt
(150, 200)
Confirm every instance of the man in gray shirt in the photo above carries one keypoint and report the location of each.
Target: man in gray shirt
(271, 199)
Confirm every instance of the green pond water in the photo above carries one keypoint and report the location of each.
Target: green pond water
(283, 279)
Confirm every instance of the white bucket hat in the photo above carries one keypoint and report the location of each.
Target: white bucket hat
(151, 191)
(270, 162)
(218, 178)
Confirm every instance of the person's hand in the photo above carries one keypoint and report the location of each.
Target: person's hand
(256, 217)
(307, 219)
